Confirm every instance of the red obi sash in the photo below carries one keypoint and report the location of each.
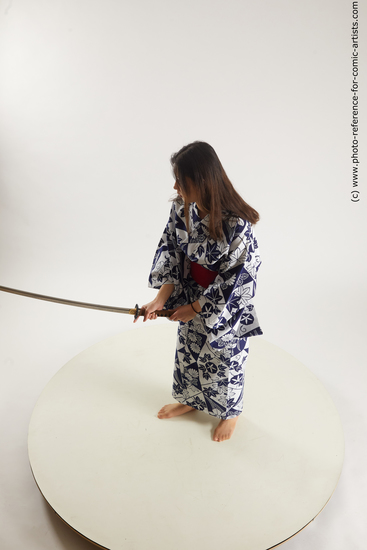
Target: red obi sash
(204, 277)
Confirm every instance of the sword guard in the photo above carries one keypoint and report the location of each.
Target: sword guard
(137, 312)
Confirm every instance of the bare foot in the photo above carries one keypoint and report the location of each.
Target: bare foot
(168, 411)
(225, 429)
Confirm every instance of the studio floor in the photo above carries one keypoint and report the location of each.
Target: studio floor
(155, 467)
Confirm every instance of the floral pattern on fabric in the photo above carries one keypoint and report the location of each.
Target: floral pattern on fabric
(212, 348)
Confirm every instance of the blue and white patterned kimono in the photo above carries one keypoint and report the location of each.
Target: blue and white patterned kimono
(212, 348)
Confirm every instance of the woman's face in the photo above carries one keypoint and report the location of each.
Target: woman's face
(177, 188)
(190, 195)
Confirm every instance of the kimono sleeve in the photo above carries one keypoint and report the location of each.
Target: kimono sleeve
(227, 308)
(167, 267)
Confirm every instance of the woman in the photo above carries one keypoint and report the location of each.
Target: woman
(205, 269)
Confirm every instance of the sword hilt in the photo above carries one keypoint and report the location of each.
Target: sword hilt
(164, 312)
(159, 313)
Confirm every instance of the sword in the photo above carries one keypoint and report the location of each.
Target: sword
(136, 311)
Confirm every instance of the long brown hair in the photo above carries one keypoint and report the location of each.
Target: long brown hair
(199, 162)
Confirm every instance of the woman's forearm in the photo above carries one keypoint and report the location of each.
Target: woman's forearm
(165, 292)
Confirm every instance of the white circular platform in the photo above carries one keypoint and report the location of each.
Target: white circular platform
(126, 480)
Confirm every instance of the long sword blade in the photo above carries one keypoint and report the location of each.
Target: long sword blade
(129, 311)
(136, 311)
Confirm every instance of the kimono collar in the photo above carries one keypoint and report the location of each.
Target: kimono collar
(194, 213)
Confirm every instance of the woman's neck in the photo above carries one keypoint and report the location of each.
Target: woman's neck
(201, 211)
